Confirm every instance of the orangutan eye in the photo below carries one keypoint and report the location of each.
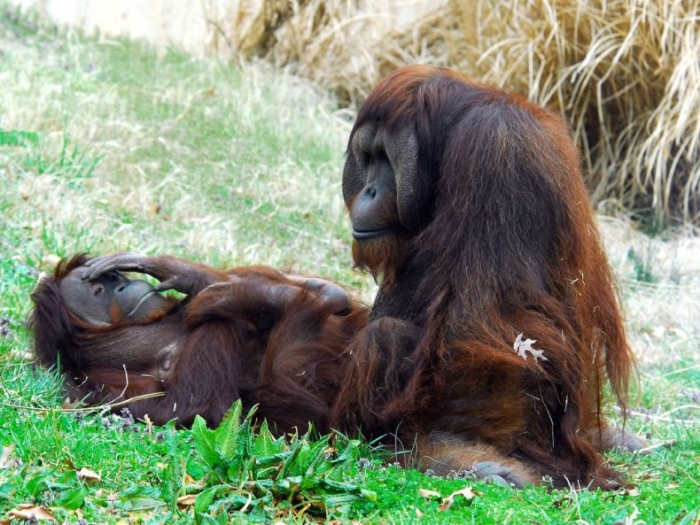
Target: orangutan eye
(97, 289)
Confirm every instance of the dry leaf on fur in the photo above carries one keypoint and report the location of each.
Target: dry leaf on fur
(523, 347)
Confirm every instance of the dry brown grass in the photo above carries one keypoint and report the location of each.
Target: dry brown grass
(660, 281)
(626, 72)
(332, 42)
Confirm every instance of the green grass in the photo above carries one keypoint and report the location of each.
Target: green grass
(106, 146)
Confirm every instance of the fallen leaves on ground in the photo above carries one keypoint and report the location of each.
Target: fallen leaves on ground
(84, 474)
(467, 492)
(30, 512)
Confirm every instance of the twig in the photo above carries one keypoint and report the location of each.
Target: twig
(88, 409)
(681, 370)
(664, 416)
(663, 444)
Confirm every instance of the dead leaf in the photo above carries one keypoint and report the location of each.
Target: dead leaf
(84, 473)
(428, 494)
(24, 356)
(447, 502)
(192, 483)
(51, 260)
(523, 347)
(186, 501)
(88, 475)
(31, 512)
(70, 404)
(149, 424)
(6, 459)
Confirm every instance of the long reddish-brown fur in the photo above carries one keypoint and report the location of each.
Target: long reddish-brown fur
(507, 246)
(225, 343)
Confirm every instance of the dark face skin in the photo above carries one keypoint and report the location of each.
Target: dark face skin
(370, 186)
(111, 297)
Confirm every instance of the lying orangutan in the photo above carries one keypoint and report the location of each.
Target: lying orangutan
(257, 334)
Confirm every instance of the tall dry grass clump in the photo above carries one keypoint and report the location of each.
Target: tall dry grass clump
(332, 42)
(625, 72)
